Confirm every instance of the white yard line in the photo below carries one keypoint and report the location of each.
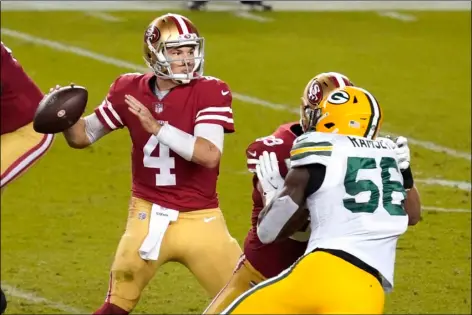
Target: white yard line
(244, 98)
(74, 50)
(438, 209)
(251, 16)
(398, 16)
(103, 16)
(436, 147)
(34, 299)
(446, 183)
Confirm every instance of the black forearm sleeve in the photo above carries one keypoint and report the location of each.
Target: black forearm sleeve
(407, 178)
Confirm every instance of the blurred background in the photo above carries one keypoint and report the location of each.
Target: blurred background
(62, 220)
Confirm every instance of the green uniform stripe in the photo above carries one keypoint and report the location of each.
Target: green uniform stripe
(371, 116)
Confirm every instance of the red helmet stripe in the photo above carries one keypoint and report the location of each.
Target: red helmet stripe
(180, 23)
(189, 25)
(334, 80)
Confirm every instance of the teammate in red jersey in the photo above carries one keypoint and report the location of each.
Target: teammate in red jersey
(262, 261)
(176, 119)
(21, 146)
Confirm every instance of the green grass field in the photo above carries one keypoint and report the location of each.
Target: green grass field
(62, 220)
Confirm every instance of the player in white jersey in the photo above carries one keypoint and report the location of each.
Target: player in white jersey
(355, 193)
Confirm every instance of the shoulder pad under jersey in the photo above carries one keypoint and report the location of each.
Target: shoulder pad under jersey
(312, 148)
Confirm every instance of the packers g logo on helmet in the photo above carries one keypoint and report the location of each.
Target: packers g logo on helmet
(338, 97)
(350, 111)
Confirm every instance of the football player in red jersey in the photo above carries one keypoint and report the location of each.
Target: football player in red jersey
(262, 261)
(176, 119)
(21, 146)
(20, 97)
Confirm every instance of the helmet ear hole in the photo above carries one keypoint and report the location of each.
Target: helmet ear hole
(329, 125)
(355, 100)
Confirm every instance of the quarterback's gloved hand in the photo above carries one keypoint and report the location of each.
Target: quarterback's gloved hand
(403, 153)
(269, 175)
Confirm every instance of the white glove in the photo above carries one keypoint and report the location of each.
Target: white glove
(387, 141)
(403, 153)
(269, 175)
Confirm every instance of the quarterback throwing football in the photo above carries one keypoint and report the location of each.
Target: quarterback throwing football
(176, 119)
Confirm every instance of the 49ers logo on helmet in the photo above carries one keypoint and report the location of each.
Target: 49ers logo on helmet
(152, 34)
(315, 93)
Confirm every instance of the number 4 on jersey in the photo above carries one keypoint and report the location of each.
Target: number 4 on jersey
(164, 162)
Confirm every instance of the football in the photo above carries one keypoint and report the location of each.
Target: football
(60, 109)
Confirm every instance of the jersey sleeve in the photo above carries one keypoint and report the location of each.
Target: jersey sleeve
(110, 111)
(216, 106)
(311, 148)
(269, 144)
(14, 78)
(253, 152)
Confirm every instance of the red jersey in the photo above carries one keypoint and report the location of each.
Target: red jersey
(160, 175)
(19, 95)
(271, 259)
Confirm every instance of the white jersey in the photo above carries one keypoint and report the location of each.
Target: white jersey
(359, 207)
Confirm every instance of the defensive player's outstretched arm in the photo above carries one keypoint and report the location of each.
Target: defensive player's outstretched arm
(85, 132)
(285, 214)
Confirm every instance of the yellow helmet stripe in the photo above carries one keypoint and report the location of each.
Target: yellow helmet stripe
(374, 118)
(305, 144)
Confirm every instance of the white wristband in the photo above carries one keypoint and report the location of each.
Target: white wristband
(177, 140)
(94, 129)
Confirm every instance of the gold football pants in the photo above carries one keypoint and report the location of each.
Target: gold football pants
(201, 244)
(318, 283)
(20, 149)
(245, 276)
